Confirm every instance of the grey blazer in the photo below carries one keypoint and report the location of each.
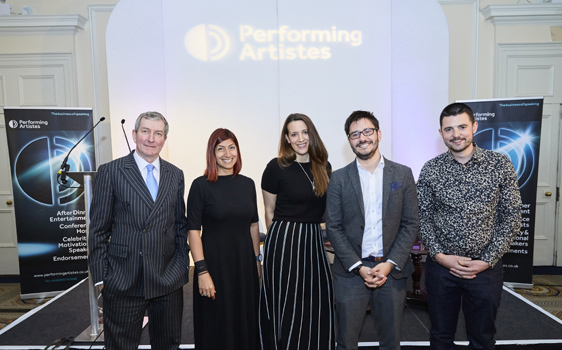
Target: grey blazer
(345, 217)
(138, 247)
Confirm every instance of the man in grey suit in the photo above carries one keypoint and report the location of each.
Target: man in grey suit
(138, 252)
(372, 223)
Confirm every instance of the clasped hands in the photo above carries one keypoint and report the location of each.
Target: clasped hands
(376, 276)
(461, 266)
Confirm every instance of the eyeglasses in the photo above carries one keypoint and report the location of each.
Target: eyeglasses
(367, 132)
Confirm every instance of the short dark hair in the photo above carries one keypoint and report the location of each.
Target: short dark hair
(455, 109)
(357, 115)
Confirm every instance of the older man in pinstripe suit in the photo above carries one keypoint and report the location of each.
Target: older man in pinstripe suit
(138, 241)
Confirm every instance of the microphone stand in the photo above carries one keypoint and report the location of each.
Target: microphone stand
(124, 133)
(64, 166)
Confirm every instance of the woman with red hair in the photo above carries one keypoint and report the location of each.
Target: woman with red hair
(226, 278)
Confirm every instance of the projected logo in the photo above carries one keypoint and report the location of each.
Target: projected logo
(516, 144)
(13, 124)
(207, 42)
(36, 167)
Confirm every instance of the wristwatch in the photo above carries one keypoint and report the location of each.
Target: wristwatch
(259, 257)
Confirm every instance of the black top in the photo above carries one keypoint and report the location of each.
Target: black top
(222, 206)
(296, 200)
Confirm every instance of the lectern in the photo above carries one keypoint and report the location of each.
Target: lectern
(96, 317)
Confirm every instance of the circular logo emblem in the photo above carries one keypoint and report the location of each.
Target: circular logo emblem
(37, 164)
(516, 145)
(13, 124)
(207, 42)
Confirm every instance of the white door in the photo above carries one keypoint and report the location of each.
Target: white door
(533, 70)
(26, 81)
(545, 221)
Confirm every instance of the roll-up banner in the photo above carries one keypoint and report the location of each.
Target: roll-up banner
(513, 127)
(50, 217)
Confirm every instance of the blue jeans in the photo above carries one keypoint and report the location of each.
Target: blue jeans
(479, 298)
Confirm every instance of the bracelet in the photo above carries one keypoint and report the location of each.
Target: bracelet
(202, 273)
(200, 267)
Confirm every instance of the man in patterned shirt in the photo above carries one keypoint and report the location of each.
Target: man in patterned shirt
(470, 213)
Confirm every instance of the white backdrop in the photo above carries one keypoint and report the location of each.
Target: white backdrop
(246, 65)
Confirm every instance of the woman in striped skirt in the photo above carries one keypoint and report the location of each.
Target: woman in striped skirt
(296, 299)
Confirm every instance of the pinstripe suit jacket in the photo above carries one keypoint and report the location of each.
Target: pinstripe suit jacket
(138, 247)
(345, 217)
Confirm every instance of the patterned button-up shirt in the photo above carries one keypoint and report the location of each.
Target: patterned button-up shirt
(471, 209)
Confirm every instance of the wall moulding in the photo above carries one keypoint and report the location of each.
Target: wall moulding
(524, 14)
(38, 24)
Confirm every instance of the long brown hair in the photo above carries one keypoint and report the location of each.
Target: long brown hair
(316, 150)
(218, 136)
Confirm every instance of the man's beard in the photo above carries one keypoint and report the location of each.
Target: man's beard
(365, 156)
(463, 146)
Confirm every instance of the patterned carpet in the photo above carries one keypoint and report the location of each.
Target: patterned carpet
(546, 293)
(11, 305)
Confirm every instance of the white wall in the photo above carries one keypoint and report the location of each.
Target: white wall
(399, 48)
(472, 56)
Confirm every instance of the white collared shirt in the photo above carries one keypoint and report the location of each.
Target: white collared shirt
(141, 163)
(371, 187)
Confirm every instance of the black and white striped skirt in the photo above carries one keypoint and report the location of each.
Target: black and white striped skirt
(296, 297)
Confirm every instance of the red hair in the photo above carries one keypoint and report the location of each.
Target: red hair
(218, 136)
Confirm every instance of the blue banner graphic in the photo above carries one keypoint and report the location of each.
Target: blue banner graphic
(50, 217)
(513, 127)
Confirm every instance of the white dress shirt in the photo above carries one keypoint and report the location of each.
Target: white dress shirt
(371, 189)
(141, 163)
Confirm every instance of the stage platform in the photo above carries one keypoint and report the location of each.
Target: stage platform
(521, 325)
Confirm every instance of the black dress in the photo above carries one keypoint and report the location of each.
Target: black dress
(296, 297)
(226, 209)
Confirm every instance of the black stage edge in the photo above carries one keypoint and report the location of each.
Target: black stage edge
(521, 325)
